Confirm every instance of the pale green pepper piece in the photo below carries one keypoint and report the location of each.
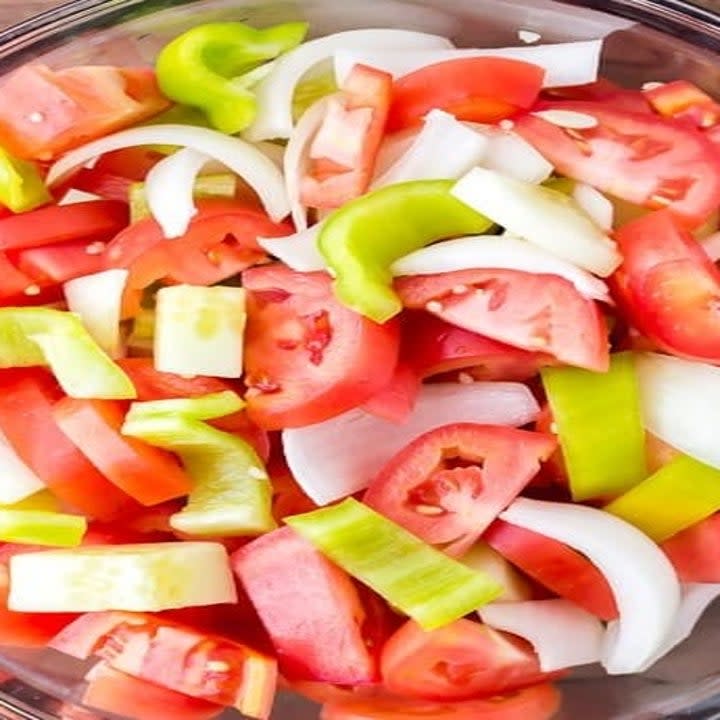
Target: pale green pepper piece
(41, 527)
(411, 575)
(361, 240)
(599, 425)
(21, 187)
(42, 336)
(203, 68)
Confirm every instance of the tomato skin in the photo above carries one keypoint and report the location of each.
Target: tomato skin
(540, 702)
(644, 159)
(104, 184)
(695, 552)
(55, 264)
(307, 357)
(554, 565)
(526, 310)
(14, 280)
(310, 608)
(602, 91)
(396, 401)
(669, 287)
(448, 485)
(146, 473)
(483, 89)
(133, 163)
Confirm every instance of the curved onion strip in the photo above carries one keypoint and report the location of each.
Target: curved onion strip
(573, 63)
(681, 404)
(492, 251)
(241, 157)
(296, 157)
(339, 457)
(641, 577)
(298, 251)
(696, 599)
(595, 204)
(19, 481)
(562, 634)
(275, 92)
(444, 149)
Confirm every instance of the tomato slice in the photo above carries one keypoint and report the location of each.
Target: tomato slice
(133, 163)
(646, 160)
(554, 565)
(14, 281)
(307, 357)
(26, 419)
(101, 183)
(343, 153)
(695, 552)
(396, 400)
(310, 608)
(669, 287)
(432, 346)
(683, 100)
(46, 112)
(481, 89)
(55, 264)
(146, 473)
(449, 484)
(540, 702)
(602, 91)
(525, 310)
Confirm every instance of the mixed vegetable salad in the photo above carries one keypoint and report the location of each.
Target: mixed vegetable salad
(364, 366)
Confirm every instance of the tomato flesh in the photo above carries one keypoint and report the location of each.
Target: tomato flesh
(695, 552)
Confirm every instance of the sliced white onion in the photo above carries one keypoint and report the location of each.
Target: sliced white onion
(573, 63)
(241, 157)
(681, 404)
(18, 480)
(643, 581)
(73, 195)
(275, 91)
(562, 634)
(492, 251)
(296, 158)
(542, 216)
(482, 558)
(339, 457)
(298, 251)
(595, 204)
(97, 299)
(711, 246)
(444, 149)
(696, 599)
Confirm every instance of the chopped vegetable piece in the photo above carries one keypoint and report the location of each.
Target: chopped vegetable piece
(683, 100)
(677, 496)
(232, 495)
(41, 336)
(362, 240)
(21, 187)
(40, 527)
(600, 427)
(204, 68)
(695, 552)
(421, 581)
(200, 330)
(145, 578)
(19, 481)
(482, 558)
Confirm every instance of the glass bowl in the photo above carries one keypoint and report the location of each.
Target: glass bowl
(645, 40)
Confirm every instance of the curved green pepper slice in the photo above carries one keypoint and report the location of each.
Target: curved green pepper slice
(21, 187)
(204, 68)
(361, 240)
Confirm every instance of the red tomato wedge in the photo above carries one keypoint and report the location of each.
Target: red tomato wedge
(14, 281)
(396, 400)
(55, 264)
(668, 286)
(92, 220)
(695, 552)
(460, 661)
(26, 419)
(482, 89)
(449, 484)
(602, 91)
(646, 160)
(432, 346)
(309, 607)
(526, 310)
(554, 565)
(46, 112)
(683, 100)
(146, 473)
(540, 702)
(307, 357)
(112, 691)
(343, 153)
(101, 183)
(133, 163)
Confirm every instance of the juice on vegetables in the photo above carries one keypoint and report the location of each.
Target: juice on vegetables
(358, 388)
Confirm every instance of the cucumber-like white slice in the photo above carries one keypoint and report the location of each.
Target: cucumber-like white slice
(142, 578)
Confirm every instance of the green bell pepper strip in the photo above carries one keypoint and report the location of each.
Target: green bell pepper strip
(599, 425)
(232, 494)
(40, 527)
(21, 187)
(203, 68)
(678, 495)
(414, 577)
(361, 240)
(42, 336)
